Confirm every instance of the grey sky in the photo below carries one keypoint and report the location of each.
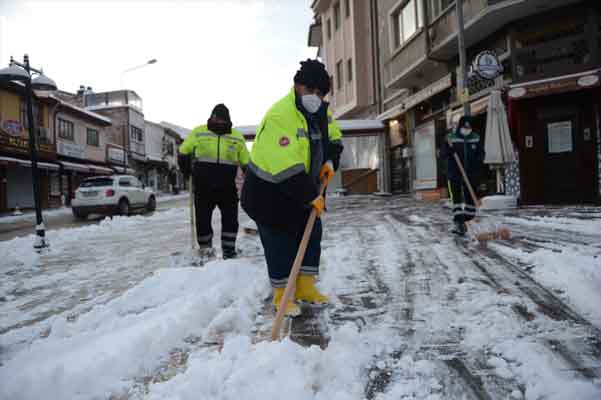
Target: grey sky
(243, 53)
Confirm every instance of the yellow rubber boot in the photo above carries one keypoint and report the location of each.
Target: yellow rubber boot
(292, 310)
(306, 290)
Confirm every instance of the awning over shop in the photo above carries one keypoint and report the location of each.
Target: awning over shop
(415, 99)
(27, 163)
(556, 85)
(100, 170)
(128, 171)
(69, 166)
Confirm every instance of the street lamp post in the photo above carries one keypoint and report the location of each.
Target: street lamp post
(22, 72)
(149, 62)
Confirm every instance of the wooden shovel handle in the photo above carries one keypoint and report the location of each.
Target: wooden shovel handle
(464, 175)
(291, 285)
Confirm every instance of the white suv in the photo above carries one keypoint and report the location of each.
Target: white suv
(111, 194)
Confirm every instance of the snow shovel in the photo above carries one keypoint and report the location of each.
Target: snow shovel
(482, 231)
(291, 285)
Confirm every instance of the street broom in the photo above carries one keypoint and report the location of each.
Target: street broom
(291, 285)
(483, 230)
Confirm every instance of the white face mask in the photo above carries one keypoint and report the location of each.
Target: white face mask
(465, 131)
(311, 102)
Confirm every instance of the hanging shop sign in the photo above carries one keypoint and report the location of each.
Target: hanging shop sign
(563, 84)
(487, 65)
(116, 155)
(11, 127)
(20, 145)
(70, 149)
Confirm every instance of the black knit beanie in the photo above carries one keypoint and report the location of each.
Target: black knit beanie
(313, 74)
(220, 111)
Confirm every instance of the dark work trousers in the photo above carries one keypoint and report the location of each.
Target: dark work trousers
(205, 201)
(280, 249)
(463, 205)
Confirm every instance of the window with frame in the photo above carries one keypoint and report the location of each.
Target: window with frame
(38, 116)
(349, 70)
(339, 75)
(347, 8)
(329, 28)
(337, 16)
(65, 130)
(437, 7)
(407, 21)
(136, 134)
(92, 137)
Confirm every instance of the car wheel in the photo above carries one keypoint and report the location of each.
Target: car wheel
(123, 207)
(152, 204)
(78, 214)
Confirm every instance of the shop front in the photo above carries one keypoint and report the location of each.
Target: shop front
(556, 124)
(16, 186)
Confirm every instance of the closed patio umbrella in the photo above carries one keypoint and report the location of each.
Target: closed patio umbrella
(498, 145)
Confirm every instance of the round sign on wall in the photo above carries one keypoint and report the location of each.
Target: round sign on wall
(487, 65)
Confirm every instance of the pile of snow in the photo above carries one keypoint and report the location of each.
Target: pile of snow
(580, 226)
(499, 202)
(19, 217)
(274, 370)
(105, 349)
(576, 278)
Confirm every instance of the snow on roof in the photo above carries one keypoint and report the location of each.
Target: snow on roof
(183, 132)
(84, 111)
(49, 95)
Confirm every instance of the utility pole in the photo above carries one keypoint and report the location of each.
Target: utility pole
(464, 95)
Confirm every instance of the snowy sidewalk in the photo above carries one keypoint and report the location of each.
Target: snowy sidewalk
(110, 312)
(62, 211)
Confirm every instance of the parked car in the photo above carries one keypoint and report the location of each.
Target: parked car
(117, 194)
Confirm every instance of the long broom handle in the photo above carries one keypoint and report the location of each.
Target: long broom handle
(192, 213)
(291, 285)
(464, 175)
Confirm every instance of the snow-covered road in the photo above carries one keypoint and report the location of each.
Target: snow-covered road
(114, 311)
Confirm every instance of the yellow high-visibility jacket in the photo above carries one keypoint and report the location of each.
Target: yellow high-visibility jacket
(215, 157)
(279, 187)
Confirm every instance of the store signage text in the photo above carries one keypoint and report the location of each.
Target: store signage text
(21, 145)
(11, 127)
(70, 149)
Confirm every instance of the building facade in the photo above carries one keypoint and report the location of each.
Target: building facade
(549, 51)
(81, 145)
(343, 30)
(16, 189)
(126, 149)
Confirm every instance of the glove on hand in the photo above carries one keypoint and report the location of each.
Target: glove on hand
(327, 172)
(319, 203)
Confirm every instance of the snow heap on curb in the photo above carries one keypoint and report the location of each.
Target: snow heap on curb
(105, 349)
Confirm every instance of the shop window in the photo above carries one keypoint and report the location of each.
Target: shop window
(407, 21)
(65, 130)
(337, 16)
(349, 70)
(92, 137)
(339, 75)
(347, 8)
(329, 28)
